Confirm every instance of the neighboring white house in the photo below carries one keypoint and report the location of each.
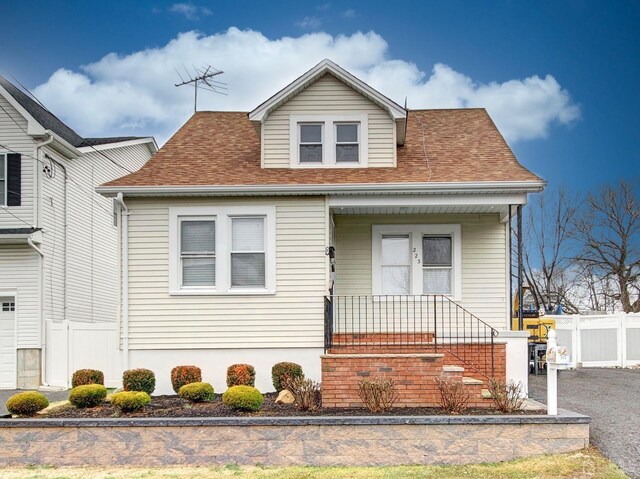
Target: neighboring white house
(229, 232)
(58, 243)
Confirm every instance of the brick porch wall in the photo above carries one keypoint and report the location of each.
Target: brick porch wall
(414, 376)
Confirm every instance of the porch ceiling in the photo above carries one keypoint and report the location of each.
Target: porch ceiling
(410, 210)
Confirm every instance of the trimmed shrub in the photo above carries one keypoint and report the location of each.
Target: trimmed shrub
(454, 398)
(243, 398)
(282, 373)
(241, 375)
(378, 394)
(130, 401)
(197, 392)
(306, 392)
(83, 377)
(26, 403)
(139, 380)
(508, 397)
(89, 395)
(181, 375)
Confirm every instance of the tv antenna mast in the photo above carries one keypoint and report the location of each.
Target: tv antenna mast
(202, 78)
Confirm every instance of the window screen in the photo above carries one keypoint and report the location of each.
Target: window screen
(197, 252)
(311, 143)
(247, 252)
(395, 264)
(437, 264)
(346, 142)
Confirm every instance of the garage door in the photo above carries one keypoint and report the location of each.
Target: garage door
(7, 343)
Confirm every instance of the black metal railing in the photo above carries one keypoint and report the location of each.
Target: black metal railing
(397, 323)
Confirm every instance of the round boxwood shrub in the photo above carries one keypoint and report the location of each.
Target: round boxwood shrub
(241, 375)
(181, 375)
(87, 376)
(282, 373)
(89, 395)
(139, 380)
(130, 401)
(26, 403)
(197, 392)
(244, 398)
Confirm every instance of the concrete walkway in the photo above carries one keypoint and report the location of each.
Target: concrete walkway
(612, 398)
(51, 396)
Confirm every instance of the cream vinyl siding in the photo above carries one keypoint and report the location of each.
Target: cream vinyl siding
(13, 137)
(293, 317)
(484, 259)
(328, 95)
(19, 274)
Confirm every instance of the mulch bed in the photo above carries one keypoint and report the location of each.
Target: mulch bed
(174, 406)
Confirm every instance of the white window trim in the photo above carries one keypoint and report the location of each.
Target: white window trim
(223, 217)
(3, 157)
(329, 139)
(299, 126)
(416, 232)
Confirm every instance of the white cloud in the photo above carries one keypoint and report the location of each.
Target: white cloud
(349, 13)
(190, 11)
(309, 23)
(134, 94)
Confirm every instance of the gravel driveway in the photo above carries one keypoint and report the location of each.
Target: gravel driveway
(612, 398)
(51, 396)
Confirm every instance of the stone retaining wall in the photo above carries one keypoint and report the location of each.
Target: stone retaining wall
(288, 441)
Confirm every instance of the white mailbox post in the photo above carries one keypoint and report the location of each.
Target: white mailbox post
(558, 357)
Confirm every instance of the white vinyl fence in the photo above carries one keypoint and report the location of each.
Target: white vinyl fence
(73, 345)
(600, 340)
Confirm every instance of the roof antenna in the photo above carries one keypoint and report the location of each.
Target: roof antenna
(202, 78)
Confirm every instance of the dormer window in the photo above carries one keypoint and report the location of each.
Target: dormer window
(333, 141)
(347, 142)
(311, 142)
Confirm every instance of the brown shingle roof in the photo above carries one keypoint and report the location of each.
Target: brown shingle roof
(223, 148)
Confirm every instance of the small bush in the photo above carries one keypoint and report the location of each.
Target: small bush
(241, 375)
(83, 377)
(378, 394)
(244, 398)
(508, 397)
(89, 395)
(282, 373)
(454, 398)
(130, 401)
(197, 392)
(26, 403)
(181, 375)
(139, 380)
(307, 393)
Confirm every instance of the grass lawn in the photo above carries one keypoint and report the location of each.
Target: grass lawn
(588, 463)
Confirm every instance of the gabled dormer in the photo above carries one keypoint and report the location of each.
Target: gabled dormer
(328, 118)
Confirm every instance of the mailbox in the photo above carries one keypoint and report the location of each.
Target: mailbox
(559, 357)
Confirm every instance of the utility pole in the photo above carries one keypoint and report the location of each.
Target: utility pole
(202, 78)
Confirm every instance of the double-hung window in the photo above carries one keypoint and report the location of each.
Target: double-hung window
(247, 252)
(347, 145)
(197, 252)
(311, 142)
(416, 260)
(3, 179)
(332, 140)
(222, 250)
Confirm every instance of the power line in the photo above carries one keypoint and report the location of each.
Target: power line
(110, 159)
(16, 217)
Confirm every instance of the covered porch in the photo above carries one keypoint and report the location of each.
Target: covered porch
(419, 280)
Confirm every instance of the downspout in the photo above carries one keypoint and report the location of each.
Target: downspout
(37, 201)
(124, 278)
(64, 234)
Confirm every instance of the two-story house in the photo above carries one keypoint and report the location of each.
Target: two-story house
(58, 241)
(328, 217)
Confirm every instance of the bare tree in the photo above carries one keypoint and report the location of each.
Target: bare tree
(608, 232)
(547, 251)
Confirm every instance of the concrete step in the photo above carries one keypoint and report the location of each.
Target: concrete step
(450, 368)
(467, 381)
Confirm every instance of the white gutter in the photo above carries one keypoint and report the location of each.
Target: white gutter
(360, 188)
(124, 278)
(43, 326)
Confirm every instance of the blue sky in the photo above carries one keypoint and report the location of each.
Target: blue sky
(578, 127)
